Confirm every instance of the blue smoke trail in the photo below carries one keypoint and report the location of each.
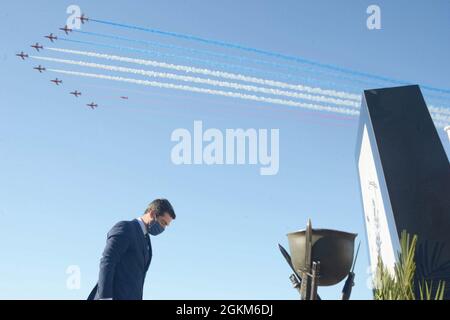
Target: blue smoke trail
(307, 79)
(310, 80)
(211, 63)
(191, 50)
(155, 53)
(266, 53)
(436, 98)
(227, 56)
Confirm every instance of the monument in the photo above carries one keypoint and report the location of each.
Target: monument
(404, 177)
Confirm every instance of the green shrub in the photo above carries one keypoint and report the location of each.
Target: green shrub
(399, 284)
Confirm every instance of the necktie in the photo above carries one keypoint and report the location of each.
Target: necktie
(147, 240)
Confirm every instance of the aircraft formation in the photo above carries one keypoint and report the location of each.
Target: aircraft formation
(37, 46)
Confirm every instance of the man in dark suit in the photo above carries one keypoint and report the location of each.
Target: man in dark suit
(128, 253)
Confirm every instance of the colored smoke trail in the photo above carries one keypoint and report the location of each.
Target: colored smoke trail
(214, 73)
(213, 64)
(239, 68)
(157, 84)
(293, 68)
(211, 82)
(266, 53)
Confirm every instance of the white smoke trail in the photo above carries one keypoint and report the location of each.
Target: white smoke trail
(316, 90)
(440, 124)
(442, 110)
(440, 117)
(438, 113)
(439, 120)
(157, 84)
(232, 85)
(214, 73)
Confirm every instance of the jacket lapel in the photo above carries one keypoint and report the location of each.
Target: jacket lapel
(143, 242)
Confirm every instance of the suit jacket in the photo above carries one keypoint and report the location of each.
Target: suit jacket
(124, 263)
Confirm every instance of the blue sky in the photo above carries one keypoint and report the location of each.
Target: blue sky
(69, 173)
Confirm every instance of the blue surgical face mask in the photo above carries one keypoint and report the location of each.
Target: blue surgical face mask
(155, 228)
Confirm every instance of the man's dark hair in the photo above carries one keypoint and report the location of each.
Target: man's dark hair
(161, 206)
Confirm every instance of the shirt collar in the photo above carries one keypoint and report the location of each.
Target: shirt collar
(142, 224)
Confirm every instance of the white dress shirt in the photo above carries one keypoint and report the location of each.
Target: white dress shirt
(142, 224)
